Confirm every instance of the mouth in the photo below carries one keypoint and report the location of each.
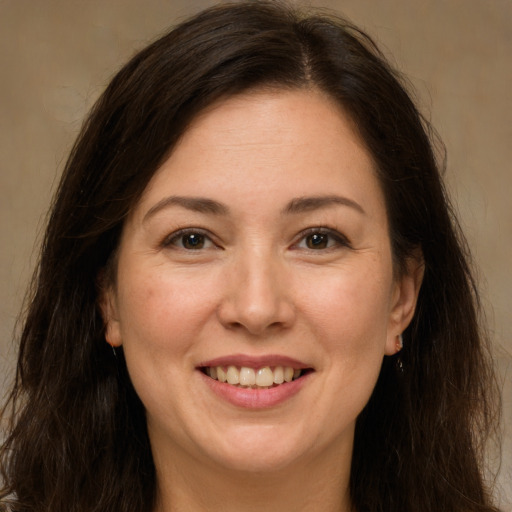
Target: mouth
(247, 377)
(255, 382)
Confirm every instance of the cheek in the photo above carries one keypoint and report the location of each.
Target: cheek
(163, 314)
(161, 321)
(351, 306)
(349, 315)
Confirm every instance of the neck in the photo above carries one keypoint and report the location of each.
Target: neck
(307, 486)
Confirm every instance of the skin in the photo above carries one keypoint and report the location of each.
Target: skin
(255, 286)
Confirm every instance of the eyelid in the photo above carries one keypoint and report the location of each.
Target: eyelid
(170, 239)
(340, 239)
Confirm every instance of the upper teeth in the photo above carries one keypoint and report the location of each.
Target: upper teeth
(244, 376)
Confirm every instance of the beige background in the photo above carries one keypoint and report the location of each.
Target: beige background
(57, 56)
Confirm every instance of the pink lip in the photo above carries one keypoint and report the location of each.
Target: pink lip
(255, 398)
(255, 361)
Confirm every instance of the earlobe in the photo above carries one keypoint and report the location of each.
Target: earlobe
(405, 297)
(112, 334)
(108, 307)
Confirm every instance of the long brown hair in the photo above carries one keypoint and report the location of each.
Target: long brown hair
(77, 440)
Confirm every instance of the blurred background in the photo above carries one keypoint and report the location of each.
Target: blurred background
(57, 56)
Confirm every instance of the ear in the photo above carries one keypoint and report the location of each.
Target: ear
(109, 311)
(404, 298)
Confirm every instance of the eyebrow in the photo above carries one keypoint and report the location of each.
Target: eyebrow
(295, 206)
(196, 204)
(307, 204)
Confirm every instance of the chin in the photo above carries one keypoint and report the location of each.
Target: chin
(269, 449)
(258, 449)
(259, 463)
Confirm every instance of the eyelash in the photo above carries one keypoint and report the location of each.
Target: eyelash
(332, 236)
(174, 238)
(335, 236)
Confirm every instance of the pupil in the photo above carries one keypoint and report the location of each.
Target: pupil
(317, 241)
(193, 241)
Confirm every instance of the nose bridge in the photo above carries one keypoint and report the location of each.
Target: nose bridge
(257, 297)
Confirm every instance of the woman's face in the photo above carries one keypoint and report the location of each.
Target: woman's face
(259, 250)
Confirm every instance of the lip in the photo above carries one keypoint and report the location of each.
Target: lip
(249, 361)
(248, 398)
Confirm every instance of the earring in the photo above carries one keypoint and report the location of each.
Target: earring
(112, 346)
(399, 345)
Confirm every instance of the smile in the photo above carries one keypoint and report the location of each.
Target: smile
(255, 378)
(255, 382)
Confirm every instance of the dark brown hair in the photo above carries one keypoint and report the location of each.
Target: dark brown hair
(77, 440)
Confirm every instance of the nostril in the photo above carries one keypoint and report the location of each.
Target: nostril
(256, 306)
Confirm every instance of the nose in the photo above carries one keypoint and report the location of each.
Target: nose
(257, 296)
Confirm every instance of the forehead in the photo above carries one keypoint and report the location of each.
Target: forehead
(272, 118)
(276, 143)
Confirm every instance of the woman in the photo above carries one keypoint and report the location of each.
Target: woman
(252, 292)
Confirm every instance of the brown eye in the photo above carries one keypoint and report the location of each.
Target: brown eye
(193, 241)
(317, 241)
(188, 240)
